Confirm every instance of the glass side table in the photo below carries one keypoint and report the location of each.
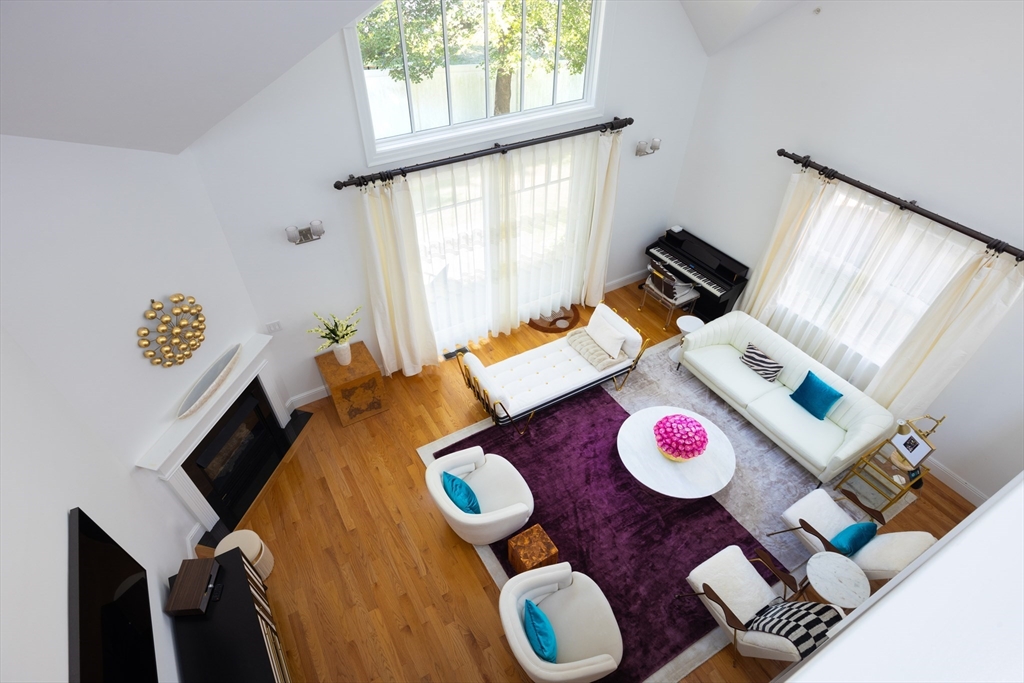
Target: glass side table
(887, 472)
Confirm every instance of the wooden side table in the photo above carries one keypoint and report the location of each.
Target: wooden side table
(357, 388)
(531, 549)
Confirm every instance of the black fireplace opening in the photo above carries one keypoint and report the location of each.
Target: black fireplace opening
(236, 458)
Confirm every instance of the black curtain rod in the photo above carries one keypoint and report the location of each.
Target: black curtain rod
(995, 245)
(615, 124)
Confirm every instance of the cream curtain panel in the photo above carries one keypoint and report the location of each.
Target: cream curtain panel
(395, 278)
(858, 284)
(511, 237)
(958, 321)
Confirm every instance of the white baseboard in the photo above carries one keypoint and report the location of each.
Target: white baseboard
(956, 482)
(628, 280)
(192, 540)
(307, 397)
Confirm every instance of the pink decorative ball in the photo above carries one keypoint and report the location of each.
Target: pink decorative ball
(680, 437)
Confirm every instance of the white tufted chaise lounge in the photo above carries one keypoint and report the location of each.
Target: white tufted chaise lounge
(534, 379)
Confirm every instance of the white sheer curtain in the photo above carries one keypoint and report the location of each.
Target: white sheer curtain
(394, 273)
(858, 275)
(969, 307)
(511, 237)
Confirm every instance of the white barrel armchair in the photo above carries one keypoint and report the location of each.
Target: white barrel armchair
(506, 501)
(587, 636)
(816, 519)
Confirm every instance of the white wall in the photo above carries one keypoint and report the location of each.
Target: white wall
(923, 100)
(272, 163)
(87, 236)
(90, 235)
(51, 461)
(974, 634)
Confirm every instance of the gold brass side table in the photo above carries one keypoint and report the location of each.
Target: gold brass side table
(887, 471)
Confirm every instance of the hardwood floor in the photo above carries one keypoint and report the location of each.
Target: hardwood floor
(370, 583)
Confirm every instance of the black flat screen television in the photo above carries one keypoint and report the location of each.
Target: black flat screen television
(110, 625)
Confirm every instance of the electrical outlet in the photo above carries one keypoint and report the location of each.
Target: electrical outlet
(273, 326)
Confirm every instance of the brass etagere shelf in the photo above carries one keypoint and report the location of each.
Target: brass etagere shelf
(887, 471)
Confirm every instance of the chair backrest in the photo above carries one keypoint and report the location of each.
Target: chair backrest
(822, 513)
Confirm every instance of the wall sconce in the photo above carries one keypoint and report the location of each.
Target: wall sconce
(643, 148)
(303, 235)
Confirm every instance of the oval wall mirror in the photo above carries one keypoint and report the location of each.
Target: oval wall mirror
(208, 384)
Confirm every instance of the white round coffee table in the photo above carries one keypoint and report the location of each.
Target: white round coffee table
(838, 579)
(702, 476)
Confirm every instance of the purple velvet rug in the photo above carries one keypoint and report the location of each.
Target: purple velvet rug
(638, 545)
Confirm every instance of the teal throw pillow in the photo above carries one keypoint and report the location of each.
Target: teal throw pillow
(854, 537)
(460, 493)
(814, 396)
(539, 632)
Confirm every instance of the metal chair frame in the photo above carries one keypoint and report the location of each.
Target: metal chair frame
(669, 280)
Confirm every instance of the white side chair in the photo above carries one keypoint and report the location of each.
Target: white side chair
(587, 637)
(506, 501)
(816, 518)
(734, 592)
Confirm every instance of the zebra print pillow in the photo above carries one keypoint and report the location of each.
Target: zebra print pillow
(756, 359)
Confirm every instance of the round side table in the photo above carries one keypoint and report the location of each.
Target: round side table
(686, 325)
(838, 579)
(252, 546)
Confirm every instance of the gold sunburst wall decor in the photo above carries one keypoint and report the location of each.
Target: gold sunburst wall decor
(178, 332)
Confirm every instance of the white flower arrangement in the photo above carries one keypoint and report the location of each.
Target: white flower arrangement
(335, 331)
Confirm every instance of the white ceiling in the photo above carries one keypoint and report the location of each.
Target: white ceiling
(146, 74)
(156, 75)
(720, 22)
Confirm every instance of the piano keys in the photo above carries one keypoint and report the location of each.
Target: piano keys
(719, 277)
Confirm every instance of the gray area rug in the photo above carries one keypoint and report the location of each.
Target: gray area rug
(767, 479)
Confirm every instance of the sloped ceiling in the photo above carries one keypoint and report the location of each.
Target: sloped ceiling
(719, 22)
(148, 75)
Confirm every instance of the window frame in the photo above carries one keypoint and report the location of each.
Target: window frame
(444, 138)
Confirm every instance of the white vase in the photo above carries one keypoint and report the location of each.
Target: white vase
(343, 352)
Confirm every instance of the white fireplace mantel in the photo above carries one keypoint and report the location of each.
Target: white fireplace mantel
(169, 451)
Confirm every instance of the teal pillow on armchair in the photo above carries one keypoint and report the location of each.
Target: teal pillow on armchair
(460, 493)
(814, 396)
(854, 537)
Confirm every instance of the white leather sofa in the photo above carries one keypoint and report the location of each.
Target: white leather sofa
(537, 378)
(588, 639)
(826, 447)
(505, 499)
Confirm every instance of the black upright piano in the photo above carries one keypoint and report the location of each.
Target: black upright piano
(719, 277)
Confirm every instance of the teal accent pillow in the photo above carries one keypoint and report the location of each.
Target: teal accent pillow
(460, 493)
(539, 632)
(854, 537)
(814, 396)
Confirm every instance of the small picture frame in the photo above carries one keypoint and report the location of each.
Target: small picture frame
(912, 446)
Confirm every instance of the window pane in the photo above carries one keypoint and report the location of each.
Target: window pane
(466, 58)
(384, 71)
(504, 39)
(424, 48)
(573, 48)
(541, 24)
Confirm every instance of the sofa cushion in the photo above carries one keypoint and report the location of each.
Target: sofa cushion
(498, 484)
(759, 361)
(461, 493)
(813, 439)
(889, 554)
(606, 336)
(583, 621)
(815, 396)
(721, 364)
